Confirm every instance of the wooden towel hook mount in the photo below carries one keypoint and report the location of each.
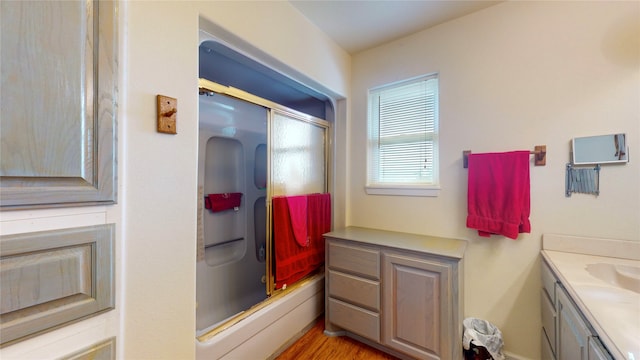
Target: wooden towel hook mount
(539, 152)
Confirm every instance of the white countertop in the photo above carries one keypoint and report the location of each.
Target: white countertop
(613, 312)
(453, 248)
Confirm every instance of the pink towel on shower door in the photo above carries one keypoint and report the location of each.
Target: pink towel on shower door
(498, 197)
(298, 214)
(319, 221)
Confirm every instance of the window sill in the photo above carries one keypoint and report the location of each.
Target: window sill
(403, 190)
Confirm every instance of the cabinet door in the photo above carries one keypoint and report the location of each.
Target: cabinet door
(58, 104)
(548, 322)
(417, 310)
(597, 351)
(572, 331)
(548, 301)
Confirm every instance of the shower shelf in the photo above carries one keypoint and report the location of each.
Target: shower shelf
(224, 242)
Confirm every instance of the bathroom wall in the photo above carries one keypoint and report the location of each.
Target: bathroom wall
(161, 57)
(513, 76)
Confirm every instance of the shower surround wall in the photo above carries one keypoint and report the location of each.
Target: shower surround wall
(231, 245)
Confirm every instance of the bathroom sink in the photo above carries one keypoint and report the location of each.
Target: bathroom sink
(626, 277)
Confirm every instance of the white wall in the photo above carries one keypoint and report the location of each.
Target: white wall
(513, 76)
(157, 177)
(161, 170)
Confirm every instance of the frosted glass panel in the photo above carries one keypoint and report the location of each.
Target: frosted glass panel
(298, 159)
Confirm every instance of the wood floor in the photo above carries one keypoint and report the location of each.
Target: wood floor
(314, 345)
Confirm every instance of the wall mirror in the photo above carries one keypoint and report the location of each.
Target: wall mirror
(601, 149)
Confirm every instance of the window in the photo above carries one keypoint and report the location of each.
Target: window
(403, 138)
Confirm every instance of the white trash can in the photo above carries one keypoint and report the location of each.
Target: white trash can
(478, 334)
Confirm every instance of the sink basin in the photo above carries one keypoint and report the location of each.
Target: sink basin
(626, 277)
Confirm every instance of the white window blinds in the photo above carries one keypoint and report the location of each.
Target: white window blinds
(403, 133)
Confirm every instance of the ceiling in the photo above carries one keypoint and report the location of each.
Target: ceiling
(357, 25)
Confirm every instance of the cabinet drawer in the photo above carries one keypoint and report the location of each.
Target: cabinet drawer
(355, 290)
(548, 321)
(357, 260)
(548, 281)
(354, 319)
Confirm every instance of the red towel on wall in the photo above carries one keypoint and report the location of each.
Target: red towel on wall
(222, 202)
(293, 261)
(498, 197)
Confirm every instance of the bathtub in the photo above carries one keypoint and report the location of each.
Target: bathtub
(263, 330)
(234, 317)
(269, 329)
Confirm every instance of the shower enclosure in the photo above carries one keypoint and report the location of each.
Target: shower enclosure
(250, 150)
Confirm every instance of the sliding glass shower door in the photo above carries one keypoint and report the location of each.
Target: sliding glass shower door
(298, 161)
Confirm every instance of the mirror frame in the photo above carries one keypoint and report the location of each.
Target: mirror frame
(597, 161)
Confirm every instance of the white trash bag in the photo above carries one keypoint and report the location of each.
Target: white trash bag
(482, 333)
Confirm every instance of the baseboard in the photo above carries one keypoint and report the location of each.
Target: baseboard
(511, 356)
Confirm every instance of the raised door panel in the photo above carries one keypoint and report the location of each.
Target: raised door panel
(548, 321)
(51, 278)
(572, 332)
(549, 282)
(547, 354)
(58, 104)
(417, 310)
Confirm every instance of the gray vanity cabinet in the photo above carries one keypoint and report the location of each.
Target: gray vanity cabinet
(566, 334)
(573, 334)
(401, 299)
(58, 104)
(576, 340)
